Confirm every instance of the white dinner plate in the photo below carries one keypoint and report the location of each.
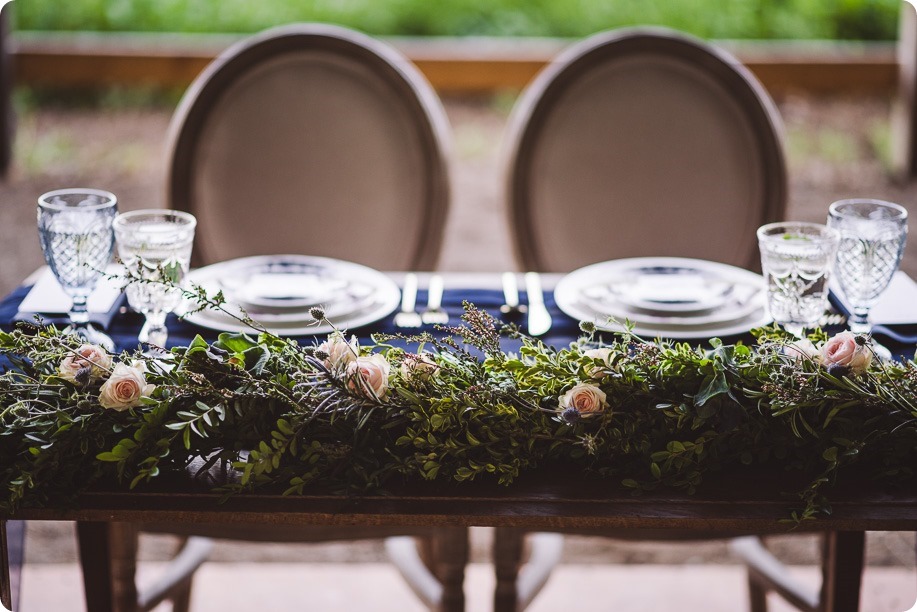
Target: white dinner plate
(278, 291)
(707, 298)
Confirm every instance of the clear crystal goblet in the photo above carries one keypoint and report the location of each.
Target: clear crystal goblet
(873, 234)
(797, 259)
(155, 247)
(75, 231)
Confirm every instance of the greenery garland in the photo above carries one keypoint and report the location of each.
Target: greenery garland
(646, 414)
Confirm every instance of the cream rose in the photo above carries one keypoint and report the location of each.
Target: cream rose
(600, 354)
(585, 398)
(87, 356)
(368, 376)
(418, 367)
(340, 352)
(125, 387)
(843, 350)
(801, 349)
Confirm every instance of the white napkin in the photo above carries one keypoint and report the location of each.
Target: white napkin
(897, 305)
(47, 297)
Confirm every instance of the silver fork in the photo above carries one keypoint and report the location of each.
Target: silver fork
(407, 316)
(434, 314)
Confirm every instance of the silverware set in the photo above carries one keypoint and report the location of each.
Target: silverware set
(538, 323)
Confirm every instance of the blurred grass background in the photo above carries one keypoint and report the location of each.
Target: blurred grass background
(730, 19)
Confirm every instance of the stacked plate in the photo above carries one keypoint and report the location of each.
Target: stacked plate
(669, 297)
(278, 291)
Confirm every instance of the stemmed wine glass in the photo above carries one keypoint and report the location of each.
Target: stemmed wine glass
(797, 259)
(155, 247)
(75, 231)
(873, 235)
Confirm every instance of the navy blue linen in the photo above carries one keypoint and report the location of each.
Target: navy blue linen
(125, 324)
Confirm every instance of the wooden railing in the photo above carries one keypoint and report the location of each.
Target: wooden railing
(453, 65)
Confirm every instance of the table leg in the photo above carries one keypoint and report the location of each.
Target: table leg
(507, 552)
(842, 570)
(6, 597)
(450, 556)
(107, 557)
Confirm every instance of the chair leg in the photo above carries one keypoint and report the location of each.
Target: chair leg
(757, 595)
(181, 600)
(507, 552)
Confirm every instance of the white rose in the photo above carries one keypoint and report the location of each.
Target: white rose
(418, 367)
(585, 398)
(124, 388)
(340, 352)
(368, 376)
(87, 356)
(600, 354)
(801, 349)
(844, 351)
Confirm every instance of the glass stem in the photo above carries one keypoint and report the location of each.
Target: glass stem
(79, 313)
(858, 322)
(156, 329)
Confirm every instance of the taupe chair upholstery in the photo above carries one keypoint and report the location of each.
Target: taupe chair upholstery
(641, 142)
(313, 139)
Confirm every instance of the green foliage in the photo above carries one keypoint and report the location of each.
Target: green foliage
(844, 19)
(282, 417)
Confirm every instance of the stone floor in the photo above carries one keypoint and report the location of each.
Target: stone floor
(328, 587)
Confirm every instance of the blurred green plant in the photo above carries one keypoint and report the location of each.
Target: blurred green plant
(797, 19)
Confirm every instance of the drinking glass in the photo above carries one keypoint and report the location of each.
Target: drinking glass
(873, 235)
(797, 259)
(155, 247)
(75, 231)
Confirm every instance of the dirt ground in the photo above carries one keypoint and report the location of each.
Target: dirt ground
(836, 148)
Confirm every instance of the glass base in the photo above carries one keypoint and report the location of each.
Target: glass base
(93, 336)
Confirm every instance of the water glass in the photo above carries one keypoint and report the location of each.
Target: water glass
(155, 247)
(75, 231)
(873, 234)
(797, 259)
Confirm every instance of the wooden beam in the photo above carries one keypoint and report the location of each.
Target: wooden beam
(452, 65)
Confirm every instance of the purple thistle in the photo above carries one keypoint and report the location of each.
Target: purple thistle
(571, 415)
(82, 376)
(837, 370)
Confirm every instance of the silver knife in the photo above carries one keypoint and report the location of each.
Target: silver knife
(539, 319)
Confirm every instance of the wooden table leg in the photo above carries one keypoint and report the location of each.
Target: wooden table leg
(450, 556)
(508, 548)
(107, 556)
(842, 570)
(6, 597)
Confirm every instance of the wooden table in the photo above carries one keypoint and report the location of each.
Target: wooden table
(741, 503)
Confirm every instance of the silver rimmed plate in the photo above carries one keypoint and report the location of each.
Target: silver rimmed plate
(278, 291)
(669, 297)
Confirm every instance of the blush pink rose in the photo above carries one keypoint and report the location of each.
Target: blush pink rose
(368, 376)
(340, 352)
(125, 387)
(418, 367)
(87, 356)
(599, 354)
(843, 350)
(585, 398)
(802, 349)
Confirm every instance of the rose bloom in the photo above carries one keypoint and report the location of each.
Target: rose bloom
(340, 352)
(586, 398)
(601, 354)
(87, 356)
(125, 387)
(843, 350)
(368, 376)
(418, 367)
(801, 349)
